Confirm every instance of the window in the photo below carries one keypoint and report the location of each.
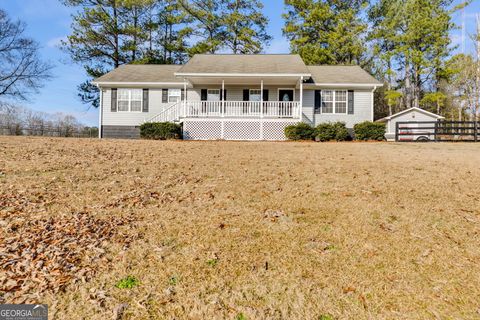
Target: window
(213, 95)
(129, 100)
(327, 101)
(340, 101)
(255, 95)
(334, 101)
(174, 95)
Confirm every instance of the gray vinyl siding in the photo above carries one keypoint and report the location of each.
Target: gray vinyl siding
(363, 110)
(132, 118)
(308, 107)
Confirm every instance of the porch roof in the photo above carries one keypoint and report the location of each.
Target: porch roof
(234, 65)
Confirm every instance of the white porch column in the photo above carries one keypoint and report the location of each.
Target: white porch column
(100, 113)
(223, 98)
(185, 97)
(261, 98)
(301, 99)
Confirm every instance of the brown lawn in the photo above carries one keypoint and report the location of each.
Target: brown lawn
(225, 230)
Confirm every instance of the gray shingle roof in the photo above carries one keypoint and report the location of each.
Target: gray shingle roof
(142, 73)
(341, 74)
(245, 64)
(240, 64)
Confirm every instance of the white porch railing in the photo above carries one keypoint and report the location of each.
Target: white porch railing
(170, 114)
(255, 109)
(233, 109)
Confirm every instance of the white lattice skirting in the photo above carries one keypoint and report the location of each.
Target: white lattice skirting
(214, 129)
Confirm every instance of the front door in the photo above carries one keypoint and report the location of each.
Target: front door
(285, 95)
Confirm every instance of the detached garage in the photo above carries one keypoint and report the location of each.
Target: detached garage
(409, 115)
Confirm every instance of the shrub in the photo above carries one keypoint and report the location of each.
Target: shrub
(369, 131)
(299, 131)
(331, 131)
(341, 132)
(324, 132)
(161, 130)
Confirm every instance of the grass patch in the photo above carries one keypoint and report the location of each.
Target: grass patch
(128, 283)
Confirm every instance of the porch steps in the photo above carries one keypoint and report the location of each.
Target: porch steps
(170, 114)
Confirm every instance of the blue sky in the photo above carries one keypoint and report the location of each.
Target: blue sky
(48, 21)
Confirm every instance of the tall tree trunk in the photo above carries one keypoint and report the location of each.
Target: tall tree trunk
(408, 84)
(416, 88)
(170, 43)
(116, 53)
(165, 41)
(389, 80)
(135, 26)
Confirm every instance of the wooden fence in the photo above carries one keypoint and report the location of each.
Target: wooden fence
(437, 131)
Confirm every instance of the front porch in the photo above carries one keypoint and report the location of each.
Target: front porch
(238, 98)
(241, 109)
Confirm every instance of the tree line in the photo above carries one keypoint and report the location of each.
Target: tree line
(404, 43)
(18, 120)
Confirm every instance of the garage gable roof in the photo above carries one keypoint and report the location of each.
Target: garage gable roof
(433, 115)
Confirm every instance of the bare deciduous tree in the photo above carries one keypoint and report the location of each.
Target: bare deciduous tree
(21, 69)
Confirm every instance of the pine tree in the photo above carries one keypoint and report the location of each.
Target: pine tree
(412, 38)
(237, 26)
(97, 41)
(245, 26)
(173, 31)
(326, 32)
(135, 19)
(206, 25)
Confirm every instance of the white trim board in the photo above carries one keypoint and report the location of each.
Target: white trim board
(116, 83)
(215, 75)
(362, 85)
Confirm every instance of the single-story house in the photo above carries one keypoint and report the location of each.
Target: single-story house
(233, 97)
(410, 115)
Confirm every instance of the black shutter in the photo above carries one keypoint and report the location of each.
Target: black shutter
(204, 95)
(182, 98)
(114, 100)
(164, 95)
(145, 100)
(318, 101)
(246, 95)
(351, 107)
(265, 95)
(225, 94)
